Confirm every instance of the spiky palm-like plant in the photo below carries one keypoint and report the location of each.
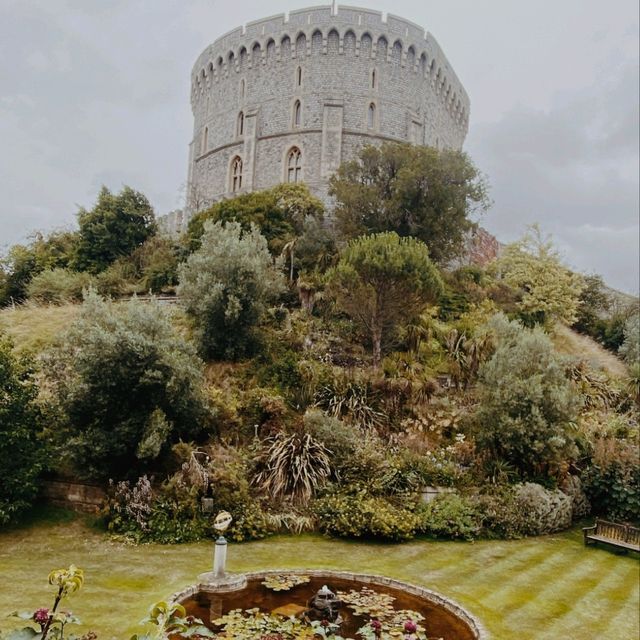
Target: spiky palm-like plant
(293, 466)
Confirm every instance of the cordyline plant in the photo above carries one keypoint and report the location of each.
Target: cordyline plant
(52, 622)
(294, 466)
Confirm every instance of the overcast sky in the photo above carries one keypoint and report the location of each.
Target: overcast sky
(96, 92)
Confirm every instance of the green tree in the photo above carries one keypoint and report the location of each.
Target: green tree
(547, 290)
(630, 348)
(414, 191)
(381, 281)
(226, 286)
(23, 262)
(20, 421)
(594, 303)
(527, 405)
(127, 386)
(279, 213)
(117, 224)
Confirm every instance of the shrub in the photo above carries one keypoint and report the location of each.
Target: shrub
(177, 514)
(231, 491)
(630, 348)
(501, 515)
(527, 405)
(225, 286)
(363, 516)
(339, 438)
(546, 511)
(523, 510)
(126, 386)
(129, 508)
(614, 489)
(294, 466)
(21, 452)
(58, 286)
(451, 516)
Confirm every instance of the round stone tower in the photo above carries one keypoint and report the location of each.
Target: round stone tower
(288, 98)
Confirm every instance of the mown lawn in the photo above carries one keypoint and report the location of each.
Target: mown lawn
(536, 589)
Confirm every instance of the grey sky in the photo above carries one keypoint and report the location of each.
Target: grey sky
(97, 91)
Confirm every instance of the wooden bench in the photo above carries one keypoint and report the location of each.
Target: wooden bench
(623, 536)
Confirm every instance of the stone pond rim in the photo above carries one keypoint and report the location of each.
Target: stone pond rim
(473, 628)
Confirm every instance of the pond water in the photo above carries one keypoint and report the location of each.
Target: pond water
(440, 620)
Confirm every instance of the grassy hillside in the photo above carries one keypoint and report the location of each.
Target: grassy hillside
(580, 346)
(33, 327)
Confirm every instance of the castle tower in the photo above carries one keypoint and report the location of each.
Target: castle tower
(289, 98)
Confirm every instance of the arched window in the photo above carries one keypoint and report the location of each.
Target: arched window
(371, 116)
(297, 113)
(299, 76)
(205, 140)
(236, 174)
(373, 79)
(294, 165)
(240, 131)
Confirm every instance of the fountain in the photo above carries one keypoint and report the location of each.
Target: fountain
(314, 597)
(348, 605)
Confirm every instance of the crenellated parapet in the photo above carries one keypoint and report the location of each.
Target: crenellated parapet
(359, 32)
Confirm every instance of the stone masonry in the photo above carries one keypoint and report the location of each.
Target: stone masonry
(289, 98)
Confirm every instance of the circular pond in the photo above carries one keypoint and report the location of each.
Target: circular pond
(361, 598)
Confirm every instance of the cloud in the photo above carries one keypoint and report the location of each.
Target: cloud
(574, 169)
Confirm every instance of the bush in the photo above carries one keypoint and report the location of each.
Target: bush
(293, 466)
(226, 285)
(546, 511)
(527, 405)
(126, 386)
(363, 516)
(630, 348)
(451, 516)
(501, 516)
(21, 453)
(614, 490)
(58, 286)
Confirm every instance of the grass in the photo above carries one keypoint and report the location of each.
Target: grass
(544, 588)
(33, 327)
(575, 344)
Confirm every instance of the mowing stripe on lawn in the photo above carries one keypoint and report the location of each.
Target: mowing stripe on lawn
(601, 604)
(524, 583)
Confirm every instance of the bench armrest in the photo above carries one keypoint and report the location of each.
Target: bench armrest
(585, 529)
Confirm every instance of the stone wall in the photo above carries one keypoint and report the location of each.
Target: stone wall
(72, 495)
(246, 85)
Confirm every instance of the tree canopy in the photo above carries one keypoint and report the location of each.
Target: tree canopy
(527, 405)
(20, 421)
(126, 385)
(547, 290)
(381, 281)
(415, 191)
(117, 224)
(225, 286)
(279, 214)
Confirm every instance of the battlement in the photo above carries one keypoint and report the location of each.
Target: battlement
(299, 27)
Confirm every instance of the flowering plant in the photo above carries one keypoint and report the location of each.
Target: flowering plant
(53, 622)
